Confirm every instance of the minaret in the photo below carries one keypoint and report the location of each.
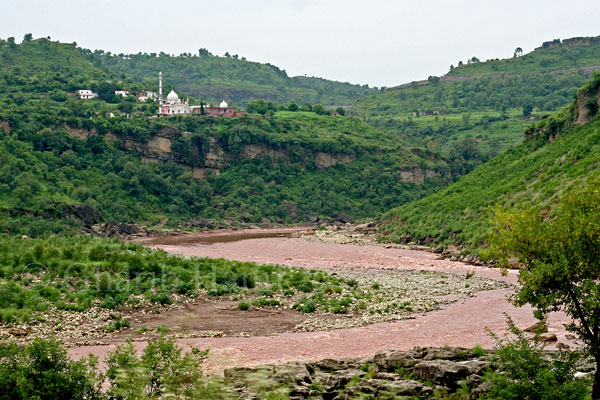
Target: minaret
(160, 98)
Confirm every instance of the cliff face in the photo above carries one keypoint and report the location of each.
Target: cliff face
(211, 157)
(587, 106)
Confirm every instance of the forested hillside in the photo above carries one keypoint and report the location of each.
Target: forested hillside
(560, 151)
(66, 162)
(485, 105)
(238, 81)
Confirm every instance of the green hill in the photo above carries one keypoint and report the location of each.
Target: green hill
(238, 81)
(66, 162)
(560, 151)
(487, 103)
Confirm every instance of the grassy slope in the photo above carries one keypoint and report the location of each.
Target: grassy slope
(546, 78)
(535, 172)
(238, 81)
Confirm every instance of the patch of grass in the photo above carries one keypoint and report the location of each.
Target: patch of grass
(117, 325)
(243, 306)
(478, 351)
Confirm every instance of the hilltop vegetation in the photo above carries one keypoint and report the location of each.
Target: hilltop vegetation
(213, 78)
(561, 151)
(487, 103)
(59, 153)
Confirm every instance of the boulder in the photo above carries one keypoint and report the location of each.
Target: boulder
(88, 215)
(442, 372)
(18, 331)
(394, 388)
(114, 228)
(446, 353)
(537, 327)
(548, 337)
(389, 360)
(342, 217)
(476, 366)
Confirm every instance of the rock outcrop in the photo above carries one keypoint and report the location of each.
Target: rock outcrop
(389, 374)
(210, 157)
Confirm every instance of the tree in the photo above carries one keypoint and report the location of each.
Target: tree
(293, 106)
(560, 254)
(204, 52)
(106, 91)
(527, 109)
(341, 111)
(11, 42)
(125, 107)
(28, 37)
(518, 52)
(318, 109)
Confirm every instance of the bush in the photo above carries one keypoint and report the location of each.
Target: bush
(523, 372)
(44, 371)
(160, 372)
(243, 306)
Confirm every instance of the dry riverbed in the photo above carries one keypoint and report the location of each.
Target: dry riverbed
(400, 298)
(374, 296)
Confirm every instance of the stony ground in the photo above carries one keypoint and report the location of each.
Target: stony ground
(379, 296)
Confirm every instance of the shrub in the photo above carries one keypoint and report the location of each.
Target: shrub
(243, 306)
(44, 371)
(522, 371)
(162, 371)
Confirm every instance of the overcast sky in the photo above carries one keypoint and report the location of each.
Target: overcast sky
(379, 42)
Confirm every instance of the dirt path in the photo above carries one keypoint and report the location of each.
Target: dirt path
(464, 323)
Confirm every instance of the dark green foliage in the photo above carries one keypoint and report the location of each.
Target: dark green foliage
(523, 372)
(44, 371)
(214, 78)
(560, 256)
(162, 370)
(47, 174)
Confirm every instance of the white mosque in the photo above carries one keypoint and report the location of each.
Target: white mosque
(173, 105)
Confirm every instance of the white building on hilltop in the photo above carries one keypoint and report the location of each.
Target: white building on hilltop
(173, 105)
(86, 94)
(144, 95)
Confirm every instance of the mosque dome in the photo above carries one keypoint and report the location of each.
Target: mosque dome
(223, 104)
(172, 96)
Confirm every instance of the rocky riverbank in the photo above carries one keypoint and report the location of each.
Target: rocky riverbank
(421, 373)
